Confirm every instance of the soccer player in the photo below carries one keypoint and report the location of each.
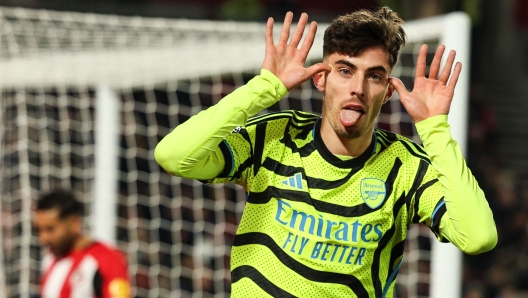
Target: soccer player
(76, 265)
(329, 198)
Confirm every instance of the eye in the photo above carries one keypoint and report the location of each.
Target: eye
(375, 77)
(345, 71)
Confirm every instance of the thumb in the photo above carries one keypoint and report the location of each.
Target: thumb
(317, 68)
(399, 86)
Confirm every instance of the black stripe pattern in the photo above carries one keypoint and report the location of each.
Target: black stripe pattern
(441, 209)
(259, 279)
(308, 273)
(378, 286)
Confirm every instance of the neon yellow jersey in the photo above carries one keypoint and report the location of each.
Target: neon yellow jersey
(318, 226)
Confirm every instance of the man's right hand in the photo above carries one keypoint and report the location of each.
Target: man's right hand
(285, 60)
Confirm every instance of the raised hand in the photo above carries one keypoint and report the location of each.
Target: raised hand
(286, 60)
(431, 96)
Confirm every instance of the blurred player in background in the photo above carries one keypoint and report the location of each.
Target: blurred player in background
(330, 197)
(76, 265)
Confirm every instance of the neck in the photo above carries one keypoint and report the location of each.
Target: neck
(342, 145)
(82, 242)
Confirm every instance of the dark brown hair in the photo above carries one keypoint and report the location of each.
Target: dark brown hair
(62, 200)
(355, 32)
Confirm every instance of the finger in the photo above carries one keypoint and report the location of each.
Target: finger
(308, 40)
(269, 33)
(456, 74)
(285, 32)
(317, 68)
(399, 87)
(446, 72)
(435, 65)
(420, 62)
(297, 35)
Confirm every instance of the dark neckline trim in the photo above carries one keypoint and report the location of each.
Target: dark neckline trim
(336, 161)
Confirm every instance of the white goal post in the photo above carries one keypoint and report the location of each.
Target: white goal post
(85, 98)
(446, 259)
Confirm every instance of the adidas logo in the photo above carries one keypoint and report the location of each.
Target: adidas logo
(294, 181)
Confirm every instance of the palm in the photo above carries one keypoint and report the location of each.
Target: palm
(430, 96)
(286, 60)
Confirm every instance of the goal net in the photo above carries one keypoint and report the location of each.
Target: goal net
(80, 89)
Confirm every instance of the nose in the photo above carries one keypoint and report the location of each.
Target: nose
(358, 85)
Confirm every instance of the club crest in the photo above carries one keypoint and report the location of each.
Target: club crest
(373, 191)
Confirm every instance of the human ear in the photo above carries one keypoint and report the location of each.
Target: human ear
(319, 81)
(76, 223)
(388, 94)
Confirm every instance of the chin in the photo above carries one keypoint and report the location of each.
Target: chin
(350, 133)
(59, 252)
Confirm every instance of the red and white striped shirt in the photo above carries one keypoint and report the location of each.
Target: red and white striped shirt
(98, 271)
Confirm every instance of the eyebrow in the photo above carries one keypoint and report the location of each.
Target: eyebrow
(370, 69)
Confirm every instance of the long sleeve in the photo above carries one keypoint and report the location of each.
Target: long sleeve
(468, 222)
(192, 149)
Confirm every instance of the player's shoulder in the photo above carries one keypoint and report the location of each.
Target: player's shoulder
(112, 270)
(289, 121)
(408, 148)
(292, 117)
(104, 252)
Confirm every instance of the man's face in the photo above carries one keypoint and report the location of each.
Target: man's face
(354, 91)
(58, 234)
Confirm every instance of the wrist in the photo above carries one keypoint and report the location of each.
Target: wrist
(275, 81)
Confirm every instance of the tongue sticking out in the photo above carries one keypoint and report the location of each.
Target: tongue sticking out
(349, 117)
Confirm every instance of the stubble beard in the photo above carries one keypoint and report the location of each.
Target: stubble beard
(64, 247)
(344, 133)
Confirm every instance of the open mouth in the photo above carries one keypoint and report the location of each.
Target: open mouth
(350, 114)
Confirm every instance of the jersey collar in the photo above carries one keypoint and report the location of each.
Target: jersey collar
(357, 162)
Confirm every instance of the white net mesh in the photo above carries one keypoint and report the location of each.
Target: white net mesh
(176, 233)
(47, 142)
